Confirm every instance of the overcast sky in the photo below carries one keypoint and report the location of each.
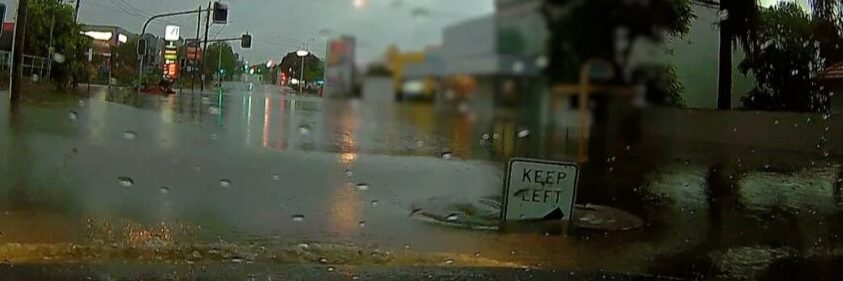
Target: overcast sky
(280, 26)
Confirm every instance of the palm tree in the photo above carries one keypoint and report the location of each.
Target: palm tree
(738, 25)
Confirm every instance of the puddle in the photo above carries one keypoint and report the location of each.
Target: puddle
(484, 214)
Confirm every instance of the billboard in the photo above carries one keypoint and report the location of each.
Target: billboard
(341, 66)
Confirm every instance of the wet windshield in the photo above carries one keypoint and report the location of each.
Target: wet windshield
(436, 139)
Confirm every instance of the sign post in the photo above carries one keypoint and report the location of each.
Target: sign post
(539, 190)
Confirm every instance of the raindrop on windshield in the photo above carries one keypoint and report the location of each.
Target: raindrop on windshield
(72, 115)
(298, 218)
(164, 190)
(225, 183)
(447, 155)
(523, 133)
(496, 136)
(130, 135)
(331, 269)
(776, 122)
(477, 254)
(362, 186)
(126, 181)
(213, 110)
(304, 130)
(453, 217)
(449, 261)
(362, 224)
(276, 177)
(349, 172)
(323, 260)
(375, 202)
(355, 277)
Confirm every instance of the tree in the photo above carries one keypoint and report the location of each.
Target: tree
(784, 61)
(291, 65)
(67, 42)
(738, 25)
(608, 30)
(218, 56)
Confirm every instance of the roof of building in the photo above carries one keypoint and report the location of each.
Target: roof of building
(832, 72)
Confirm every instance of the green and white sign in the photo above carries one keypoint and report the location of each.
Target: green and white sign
(540, 190)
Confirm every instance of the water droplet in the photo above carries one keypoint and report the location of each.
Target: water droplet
(449, 261)
(734, 130)
(496, 136)
(214, 136)
(628, 148)
(213, 110)
(362, 186)
(323, 260)
(298, 218)
(164, 190)
(447, 155)
(776, 122)
(72, 115)
(375, 202)
(485, 136)
(349, 172)
(304, 130)
(276, 177)
(126, 181)
(331, 269)
(453, 217)
(406, 246)
(225, 183)
(130, 135)
(419, 143)
(81, 103)
(523, 133)
(476, 254)
(362, 224)
(355, 277)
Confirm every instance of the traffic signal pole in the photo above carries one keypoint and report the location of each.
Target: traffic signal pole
(205, 48)
(195, 49)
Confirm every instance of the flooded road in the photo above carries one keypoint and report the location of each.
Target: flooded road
(261, 176)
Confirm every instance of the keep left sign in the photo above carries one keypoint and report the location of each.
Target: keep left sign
(540, 190)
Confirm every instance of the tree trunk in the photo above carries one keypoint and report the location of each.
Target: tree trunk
(724, 78)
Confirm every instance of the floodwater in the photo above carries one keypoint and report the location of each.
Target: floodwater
(262, 177)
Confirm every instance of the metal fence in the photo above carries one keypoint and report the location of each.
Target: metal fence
(31, 64)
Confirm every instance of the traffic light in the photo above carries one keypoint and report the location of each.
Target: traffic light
(246, 41)
(220, 13)
(142, 47)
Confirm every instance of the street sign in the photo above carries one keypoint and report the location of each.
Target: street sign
(173, 33)
(540, 190)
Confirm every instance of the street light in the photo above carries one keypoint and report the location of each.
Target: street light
(303, 54)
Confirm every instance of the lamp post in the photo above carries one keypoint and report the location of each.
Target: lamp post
(303, 54)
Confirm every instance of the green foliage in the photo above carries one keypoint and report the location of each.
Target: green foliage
(785, 58)
(67, 40)
(220, 55)
(586, 29)
(661, 84)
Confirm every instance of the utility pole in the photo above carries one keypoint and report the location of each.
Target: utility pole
(17, 51)
(205, 46)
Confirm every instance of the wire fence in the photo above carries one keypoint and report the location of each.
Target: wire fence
(32, 65)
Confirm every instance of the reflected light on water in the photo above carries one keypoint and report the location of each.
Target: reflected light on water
(267, 112)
